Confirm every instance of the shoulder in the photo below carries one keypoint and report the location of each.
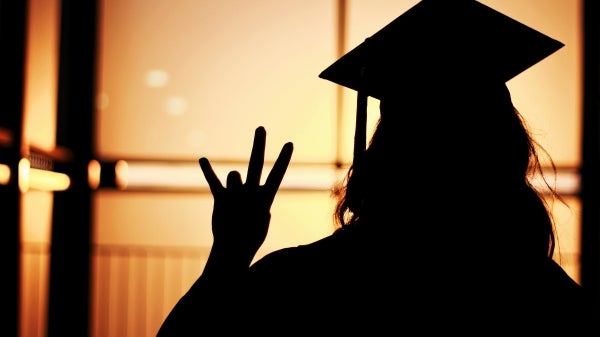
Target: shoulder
(300, 258)
(559, 281)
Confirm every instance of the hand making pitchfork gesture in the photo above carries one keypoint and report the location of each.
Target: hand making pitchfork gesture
(241, 211)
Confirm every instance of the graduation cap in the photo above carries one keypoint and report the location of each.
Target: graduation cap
(459, 39)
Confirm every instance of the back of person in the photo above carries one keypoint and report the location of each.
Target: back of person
(329, 287)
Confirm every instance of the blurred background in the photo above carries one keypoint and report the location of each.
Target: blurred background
(109, 104)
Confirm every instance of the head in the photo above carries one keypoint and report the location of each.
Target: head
(458, 159)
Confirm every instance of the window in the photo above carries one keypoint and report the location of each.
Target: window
(182, 79)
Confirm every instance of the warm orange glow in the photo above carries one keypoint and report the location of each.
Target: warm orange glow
(4, 174)
(41, 180)
(121, 174)
(169, 96)
(24, 169)
(153, 175)
(40, 89)
(94, 174)
(5, 137)
(157, 78)
(118, 178)
(41, 74)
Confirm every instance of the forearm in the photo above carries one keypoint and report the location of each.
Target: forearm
(212, 295)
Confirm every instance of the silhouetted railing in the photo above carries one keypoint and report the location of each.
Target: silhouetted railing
(133, 287)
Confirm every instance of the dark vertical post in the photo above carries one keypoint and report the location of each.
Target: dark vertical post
(340, 50)
(69, 301)
(13, 28)
(590, 170)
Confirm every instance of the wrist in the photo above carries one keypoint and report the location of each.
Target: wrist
(224, 260)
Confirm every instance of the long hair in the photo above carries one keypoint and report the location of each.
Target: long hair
(509, 156)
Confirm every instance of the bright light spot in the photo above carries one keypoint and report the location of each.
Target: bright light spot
(4, 174)
(43, 180)
(176, 106)
(157, 78)
(94, 174)
(24, 168)
(121, 174)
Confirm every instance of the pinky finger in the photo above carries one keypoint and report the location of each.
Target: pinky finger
(278, 171)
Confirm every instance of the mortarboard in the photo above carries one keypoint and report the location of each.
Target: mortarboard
(463, 39)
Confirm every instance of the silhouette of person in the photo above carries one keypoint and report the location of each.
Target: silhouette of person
(439, 227)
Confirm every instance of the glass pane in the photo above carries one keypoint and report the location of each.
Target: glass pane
(36, 210)
(41, 69)
(549, 94)
(179, 79)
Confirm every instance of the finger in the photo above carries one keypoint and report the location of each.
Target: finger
(209, 174)
(234, 180)
(257, 157)
(278, 171)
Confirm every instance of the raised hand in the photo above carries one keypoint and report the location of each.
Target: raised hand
(241, 211)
